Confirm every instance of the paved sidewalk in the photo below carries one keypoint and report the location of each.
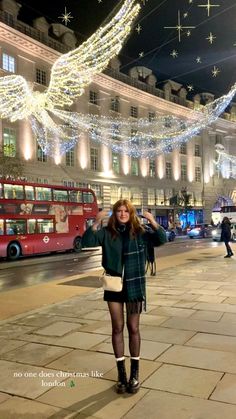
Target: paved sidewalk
(57, 361)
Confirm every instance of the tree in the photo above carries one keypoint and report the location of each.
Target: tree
(10, 167)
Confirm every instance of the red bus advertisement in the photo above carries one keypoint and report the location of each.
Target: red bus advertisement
(40, 218)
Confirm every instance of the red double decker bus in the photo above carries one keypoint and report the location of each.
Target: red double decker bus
(40, 218)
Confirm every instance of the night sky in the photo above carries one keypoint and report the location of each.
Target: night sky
(156, 43)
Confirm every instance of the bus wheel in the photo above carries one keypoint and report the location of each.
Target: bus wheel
(77, 245)
(13, 251)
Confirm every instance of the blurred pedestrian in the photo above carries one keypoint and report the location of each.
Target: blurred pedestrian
(226, 235)
(124, 241)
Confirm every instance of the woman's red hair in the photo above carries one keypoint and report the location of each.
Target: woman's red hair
(134, 221)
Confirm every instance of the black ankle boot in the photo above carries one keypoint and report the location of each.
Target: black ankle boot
(133, 385)
(121, 385)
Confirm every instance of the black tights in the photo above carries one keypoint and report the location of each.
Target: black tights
(117, 321)
(228, 248)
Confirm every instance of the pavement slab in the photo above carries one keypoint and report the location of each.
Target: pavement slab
(57, 361)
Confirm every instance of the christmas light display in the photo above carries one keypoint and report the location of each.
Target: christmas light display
(134, 137)
(225, 163)
(70, 73)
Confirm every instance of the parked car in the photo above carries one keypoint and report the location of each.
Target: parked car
(216, 233)
(170, 235)
(200, 231)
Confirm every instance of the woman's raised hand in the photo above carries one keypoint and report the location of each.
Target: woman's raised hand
(101, 215)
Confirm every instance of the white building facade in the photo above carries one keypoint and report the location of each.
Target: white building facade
(149, 183)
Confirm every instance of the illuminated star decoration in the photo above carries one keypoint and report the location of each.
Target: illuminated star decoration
(141, 54)
(215, 71)
(190, 1)
(174, 53)
(208, 6)
(211, 38)
(70, 74)
(179, 27)
(198, 59)
(188, 33)
(190, 87)
(138, 28)
(66, 17)
(99, 1)
(185, 15)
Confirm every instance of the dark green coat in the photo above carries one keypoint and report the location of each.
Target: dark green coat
(112, 248)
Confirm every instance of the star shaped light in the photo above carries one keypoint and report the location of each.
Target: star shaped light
(138, 28)
(215, 71)
(141, 54)
(190, 87)
(185, 14)
(198, 59)
(190, 1)
(211, 38)
(188, 33)
(99, 1)
(179, 27)
(208, 6)
(174, 53)
(66, 17)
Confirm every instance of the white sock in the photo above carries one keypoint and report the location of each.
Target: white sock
(120, 359)
(135, 357)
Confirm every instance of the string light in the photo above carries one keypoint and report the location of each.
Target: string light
(226, 163)
(70, 73)
(134, 137)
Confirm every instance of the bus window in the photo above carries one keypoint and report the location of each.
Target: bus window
(1, 227)
(13, 191)
(88, 197)
(31, 226)
(60, 195)
(1, 191)
(45, 226)
(75, 196)
(15, 227)
(43, 194)
(29, 193)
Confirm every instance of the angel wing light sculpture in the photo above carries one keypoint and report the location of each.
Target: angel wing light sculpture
(70, 73)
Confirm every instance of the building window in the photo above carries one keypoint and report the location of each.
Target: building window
(168, 170)
(160, 197)
(152, 168)
(41, 76)
(197, 150)
(69, 183)
(116, 163)
(134, 111)
(124, 193)
(183, 148)
(183, 172)
(70, 158)
(115, 104)
(134, 167)
(8, 63)
(151, 116)
(93, 97)
(98, 192)
(114, 194)
(94, 158)
(41, 156)
(9, 142)
(151, 196)
(136, 196)
(41, 180)
(115, 132)
(8, 18)
(197, 174)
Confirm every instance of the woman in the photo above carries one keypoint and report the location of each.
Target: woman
(226, 235)
(124, 242)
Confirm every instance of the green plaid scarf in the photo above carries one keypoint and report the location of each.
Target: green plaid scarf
(134, 274)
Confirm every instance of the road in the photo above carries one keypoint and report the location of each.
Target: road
(43, 269)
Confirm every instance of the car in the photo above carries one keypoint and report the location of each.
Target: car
(216, 233)
(200, 231)
(170, 235)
